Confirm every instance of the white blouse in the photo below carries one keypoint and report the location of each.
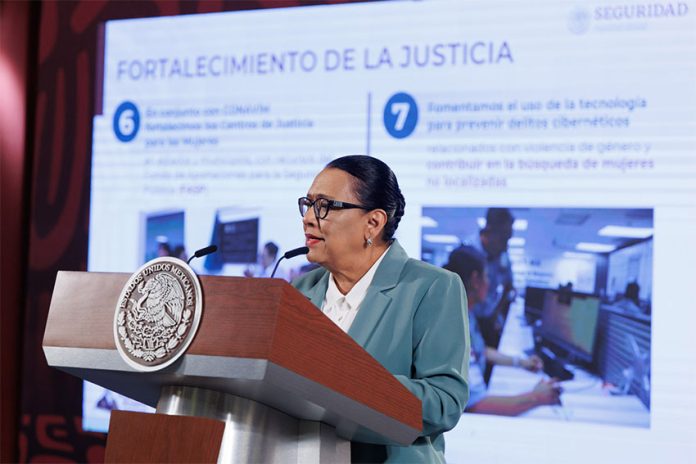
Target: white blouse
(342, 309)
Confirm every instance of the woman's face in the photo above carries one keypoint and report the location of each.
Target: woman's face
(336, 239)
(479, 284)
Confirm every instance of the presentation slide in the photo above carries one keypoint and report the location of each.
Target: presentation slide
(578, 119)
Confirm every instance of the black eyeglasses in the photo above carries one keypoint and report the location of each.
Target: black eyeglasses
(322, 206)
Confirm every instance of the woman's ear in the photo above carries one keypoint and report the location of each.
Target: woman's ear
(376, 221)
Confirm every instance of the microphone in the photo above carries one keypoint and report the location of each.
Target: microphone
(290, 254)
(202, 252)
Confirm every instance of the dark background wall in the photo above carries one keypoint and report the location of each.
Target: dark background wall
(51, 48)
(15, 43)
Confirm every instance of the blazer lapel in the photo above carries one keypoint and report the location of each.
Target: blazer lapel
(376, 300)
(317, 293)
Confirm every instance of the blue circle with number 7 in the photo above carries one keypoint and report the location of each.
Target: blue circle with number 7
(126, 121)
(400, 115)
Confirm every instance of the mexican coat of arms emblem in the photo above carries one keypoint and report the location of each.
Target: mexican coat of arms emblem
(157, 314)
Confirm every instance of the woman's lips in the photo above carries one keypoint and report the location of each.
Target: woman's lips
(311, 240)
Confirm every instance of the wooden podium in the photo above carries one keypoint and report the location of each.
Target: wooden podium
(268, 378)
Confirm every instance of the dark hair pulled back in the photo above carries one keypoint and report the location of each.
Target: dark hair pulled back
(464, 261)
(375, 187)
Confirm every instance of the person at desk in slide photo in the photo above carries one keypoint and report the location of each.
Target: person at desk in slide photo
(409, 315)
(267, 259)
(470, 265)
(492, 310)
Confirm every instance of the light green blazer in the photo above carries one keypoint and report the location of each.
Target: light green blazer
(414, 321)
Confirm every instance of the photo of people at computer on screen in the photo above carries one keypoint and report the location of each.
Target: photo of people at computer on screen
(242, 249)
(559, 308)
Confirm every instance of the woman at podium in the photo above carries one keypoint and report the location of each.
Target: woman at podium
(409, 315)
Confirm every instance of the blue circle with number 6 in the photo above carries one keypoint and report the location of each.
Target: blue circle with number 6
(400, 115)
(126, 121)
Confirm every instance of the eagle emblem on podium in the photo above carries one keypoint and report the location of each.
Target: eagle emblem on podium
(157, 314)
(162, 302)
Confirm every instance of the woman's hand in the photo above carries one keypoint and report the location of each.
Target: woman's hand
(532, 363)
(547, 392)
